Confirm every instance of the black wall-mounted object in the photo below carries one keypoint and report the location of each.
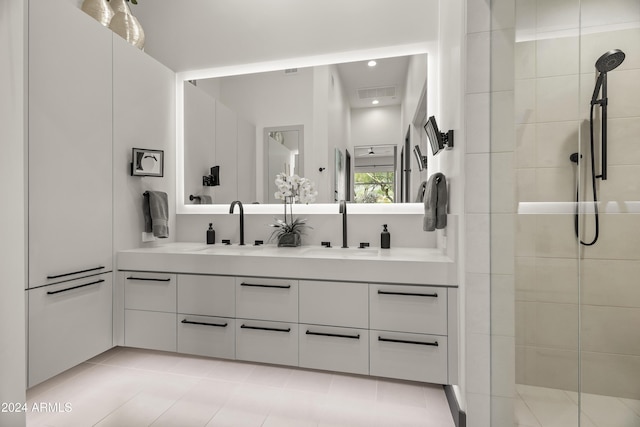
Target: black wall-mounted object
(422, 160)
(213, 179)
(438, 140)
(147, 162)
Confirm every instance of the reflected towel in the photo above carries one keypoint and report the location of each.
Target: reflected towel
(421, 190)
(155, 209)
(435, 203)
(205, 200)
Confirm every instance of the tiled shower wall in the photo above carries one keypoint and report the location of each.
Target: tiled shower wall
(557, 45)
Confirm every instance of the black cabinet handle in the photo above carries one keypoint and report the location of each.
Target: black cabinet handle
(412, 294)
(76, 272)
(220, 325)
(75, 287)
(149, 279)
(434, 344)
(324, 334)
(262, 328)
(256, 285)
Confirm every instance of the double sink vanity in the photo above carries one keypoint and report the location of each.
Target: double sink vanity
(370, 311)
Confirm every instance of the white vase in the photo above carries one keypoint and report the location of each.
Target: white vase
(125, 24)
(100, 10)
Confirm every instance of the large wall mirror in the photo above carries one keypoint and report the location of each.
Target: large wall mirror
(338, 124)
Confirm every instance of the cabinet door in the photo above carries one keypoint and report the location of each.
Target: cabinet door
(334, 349)
(267, 299)
(70, 156)
(69, 323)
(415, 357)
(207, 336)
(206, 295)
(153, 330)
(334, 303)
(267, 342)
(420, 309)
(150, 291)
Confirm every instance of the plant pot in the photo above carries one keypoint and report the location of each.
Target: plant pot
(289, 240)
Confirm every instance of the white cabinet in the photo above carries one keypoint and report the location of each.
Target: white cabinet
(419, 309)
(334, 349)
(206, 311)
(207, 336)
(206, 295)
(415, 357)
(150, 310)
(70, 156)
(267, 342)
(69, 323)
(267, 299)
(334, 303)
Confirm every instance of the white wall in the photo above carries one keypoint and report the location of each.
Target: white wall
(376, 126)
(143, 117)
(339, 122)
(12, 221)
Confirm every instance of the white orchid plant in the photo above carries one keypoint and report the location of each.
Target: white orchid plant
(292, 189)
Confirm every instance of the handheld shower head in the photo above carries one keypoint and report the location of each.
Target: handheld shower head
(607, 62)
(610, 60)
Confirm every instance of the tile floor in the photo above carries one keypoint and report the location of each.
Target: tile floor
(548, 407)
(131, 387)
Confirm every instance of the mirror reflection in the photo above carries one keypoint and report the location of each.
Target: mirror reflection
(316, 122)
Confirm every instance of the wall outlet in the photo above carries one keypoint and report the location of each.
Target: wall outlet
(148, 237)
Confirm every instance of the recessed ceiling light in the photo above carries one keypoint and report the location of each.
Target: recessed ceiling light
(371, 63)
(375, 102)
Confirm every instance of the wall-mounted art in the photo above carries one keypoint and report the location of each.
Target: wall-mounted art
(147, 162)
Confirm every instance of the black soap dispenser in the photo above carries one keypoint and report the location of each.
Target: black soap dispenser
(211, 235)
(385, 238)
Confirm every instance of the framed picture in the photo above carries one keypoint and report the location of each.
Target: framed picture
(147, 162)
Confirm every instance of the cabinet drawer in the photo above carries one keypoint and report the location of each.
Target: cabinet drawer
(206, 295)
(207, 336)
(150, 329)
(267, 342)
(68, 323)
(334, 304)
(334, 349)
(267, 299)
(414, 357)
(418, 309)
(150, 291)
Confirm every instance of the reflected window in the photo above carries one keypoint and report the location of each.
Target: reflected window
(374, 186)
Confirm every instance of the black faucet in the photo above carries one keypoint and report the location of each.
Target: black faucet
(233, 205)
(343, 211)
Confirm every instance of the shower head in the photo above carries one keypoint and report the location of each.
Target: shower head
(610, 60)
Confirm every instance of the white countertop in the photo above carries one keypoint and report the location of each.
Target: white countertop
(426, 266)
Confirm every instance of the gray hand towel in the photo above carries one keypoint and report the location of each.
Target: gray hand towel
(205, 200)
(155, 208)
(435, 203)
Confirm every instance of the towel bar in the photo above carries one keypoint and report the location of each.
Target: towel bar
(192, 198)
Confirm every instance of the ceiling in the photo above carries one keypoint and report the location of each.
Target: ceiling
(205, 34)
(383, 82)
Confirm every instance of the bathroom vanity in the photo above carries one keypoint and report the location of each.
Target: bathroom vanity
(389, 313)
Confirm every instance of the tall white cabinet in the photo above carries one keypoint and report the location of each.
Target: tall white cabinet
(70, 154)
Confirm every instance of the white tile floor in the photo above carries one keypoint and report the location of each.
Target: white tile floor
(548, 407)
(128, 387)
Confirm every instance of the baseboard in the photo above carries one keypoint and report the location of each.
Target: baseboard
(459, 416)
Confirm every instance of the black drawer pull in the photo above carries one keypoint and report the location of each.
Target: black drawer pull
(324, 334)
(76, 272)
(148, 279)
(256, 285)
(261, 328)
(411, 294)
(434, 344)
(220, 325)
(75, 287)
